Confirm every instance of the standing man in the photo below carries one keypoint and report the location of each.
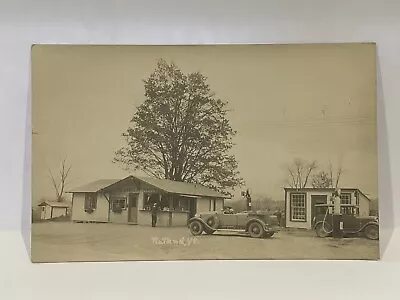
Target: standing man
(154, 214)
(337, 228)
(278, 215)
(248, 198)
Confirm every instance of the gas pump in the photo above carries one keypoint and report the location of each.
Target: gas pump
(247, 196)
(337, 222)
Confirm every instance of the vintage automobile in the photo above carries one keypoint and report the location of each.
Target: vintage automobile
(352, 223)
(257, 224)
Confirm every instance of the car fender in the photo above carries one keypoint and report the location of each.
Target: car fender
(202, 222)
(368, 224)
(196, 219)
(254, 220)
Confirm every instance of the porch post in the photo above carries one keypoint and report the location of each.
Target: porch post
(171, 207)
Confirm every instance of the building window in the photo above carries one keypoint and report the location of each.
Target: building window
(298, 207)
(90, 201)
(180, 203)
(345, 198)
(118, 204)
(149, 199)
(162, 201)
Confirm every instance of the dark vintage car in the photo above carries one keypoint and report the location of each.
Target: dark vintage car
(257, 224)
(352, 223)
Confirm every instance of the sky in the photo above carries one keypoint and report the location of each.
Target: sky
(315, 102)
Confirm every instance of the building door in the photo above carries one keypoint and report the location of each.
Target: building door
(317, 199)
(132, 208)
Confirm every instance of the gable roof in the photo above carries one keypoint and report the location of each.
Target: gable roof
(166, 185)
(325, 189)
(55, 204)
(94, 186)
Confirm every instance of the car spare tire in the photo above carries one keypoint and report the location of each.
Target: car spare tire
(212, 222)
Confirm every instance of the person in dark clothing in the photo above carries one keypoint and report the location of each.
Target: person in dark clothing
(278, 215)
(154, 215)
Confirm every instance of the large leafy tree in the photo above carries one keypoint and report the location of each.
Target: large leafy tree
(181, 132)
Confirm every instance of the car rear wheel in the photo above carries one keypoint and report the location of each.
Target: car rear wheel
(196, 228)
(372, 232)
(323, 230)
(256, 230)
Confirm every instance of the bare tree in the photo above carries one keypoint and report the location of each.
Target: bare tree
(59, 186)
(339, 172)
(300, 171)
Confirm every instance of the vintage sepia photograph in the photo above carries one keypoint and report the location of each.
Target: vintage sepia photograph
(204, 152)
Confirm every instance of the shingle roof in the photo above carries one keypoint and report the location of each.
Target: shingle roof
(94, 186)
(169, 186)
(177, 187)
(55, 204)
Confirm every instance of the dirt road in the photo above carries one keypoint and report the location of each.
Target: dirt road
(61, 242)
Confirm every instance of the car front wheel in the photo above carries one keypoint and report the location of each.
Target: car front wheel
(196, 228)
(256, 230)
(323, 230)
(371, 232)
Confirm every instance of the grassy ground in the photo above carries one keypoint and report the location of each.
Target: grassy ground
(66, 241)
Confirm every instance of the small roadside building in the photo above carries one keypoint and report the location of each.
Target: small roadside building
(300, 204)
(53, 209)
(129, 200)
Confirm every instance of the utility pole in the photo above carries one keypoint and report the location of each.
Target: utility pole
(337, 226)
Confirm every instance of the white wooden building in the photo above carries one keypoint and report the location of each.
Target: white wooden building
(300, 204)
(53, 209)
(129, 200)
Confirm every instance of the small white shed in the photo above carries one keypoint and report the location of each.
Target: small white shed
(53, 209)
(300, 204)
